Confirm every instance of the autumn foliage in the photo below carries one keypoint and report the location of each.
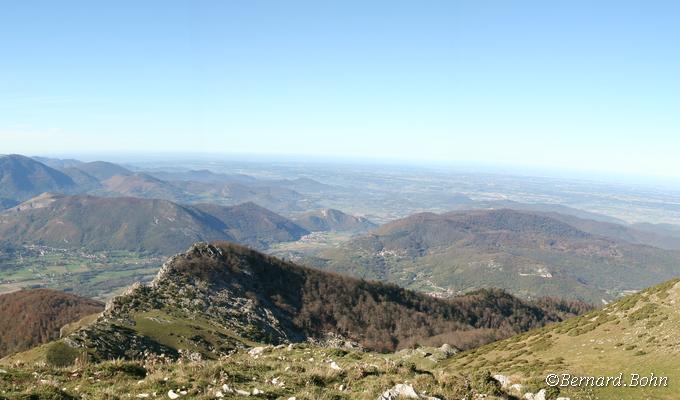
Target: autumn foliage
(32, 317)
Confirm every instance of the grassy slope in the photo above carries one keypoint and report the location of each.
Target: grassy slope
(638, 334)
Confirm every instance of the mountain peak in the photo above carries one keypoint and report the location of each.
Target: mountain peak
(209, 256)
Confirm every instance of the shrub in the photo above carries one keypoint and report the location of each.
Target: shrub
(484, 383)
(552, 393)
(126, 368)
(47, 393)
(59, 354)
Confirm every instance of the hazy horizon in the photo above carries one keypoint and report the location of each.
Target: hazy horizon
(561, 87)
(205, 160)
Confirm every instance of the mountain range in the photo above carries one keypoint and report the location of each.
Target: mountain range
(528, 253)
(23, 177)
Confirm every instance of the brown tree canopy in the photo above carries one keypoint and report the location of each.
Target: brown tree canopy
(32, 317)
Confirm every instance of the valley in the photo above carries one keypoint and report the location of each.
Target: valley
(99, 275)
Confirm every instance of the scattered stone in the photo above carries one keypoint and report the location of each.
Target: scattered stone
(448, 350)
(257, 351)
(227, 389)
(142, 395)
(257, 392)
(335, 366)
(219, 394)
(516, 387)
(537, 396)
(242, 392)
(172, 394)
(503, 380)
(403, 391)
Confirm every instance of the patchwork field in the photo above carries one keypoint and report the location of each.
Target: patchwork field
(98, 275)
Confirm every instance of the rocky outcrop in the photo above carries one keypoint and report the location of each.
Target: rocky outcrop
(185, 294)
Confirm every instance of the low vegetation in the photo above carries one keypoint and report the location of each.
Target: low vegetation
(302, 371)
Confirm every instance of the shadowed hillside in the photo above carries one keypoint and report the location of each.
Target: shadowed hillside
(22, 178)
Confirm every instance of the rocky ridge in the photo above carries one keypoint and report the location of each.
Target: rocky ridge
(216, 298)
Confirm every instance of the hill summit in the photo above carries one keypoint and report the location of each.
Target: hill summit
(329, 219)
(218, 297)
(22, 178)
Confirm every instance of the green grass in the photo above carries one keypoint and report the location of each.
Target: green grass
(181, 333)
(640, 334)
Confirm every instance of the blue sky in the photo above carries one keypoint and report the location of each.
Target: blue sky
(568, 84)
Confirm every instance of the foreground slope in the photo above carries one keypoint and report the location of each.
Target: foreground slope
(636, 335)
(528, 253)
(215, 298)
(32, 317)
(134, 224)
(302, 371)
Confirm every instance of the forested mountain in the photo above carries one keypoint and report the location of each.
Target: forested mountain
(134, 224)
(528, 253)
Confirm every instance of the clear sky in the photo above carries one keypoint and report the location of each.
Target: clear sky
(575, 84)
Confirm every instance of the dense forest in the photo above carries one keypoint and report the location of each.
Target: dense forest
(380, 316)
(32, 317)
